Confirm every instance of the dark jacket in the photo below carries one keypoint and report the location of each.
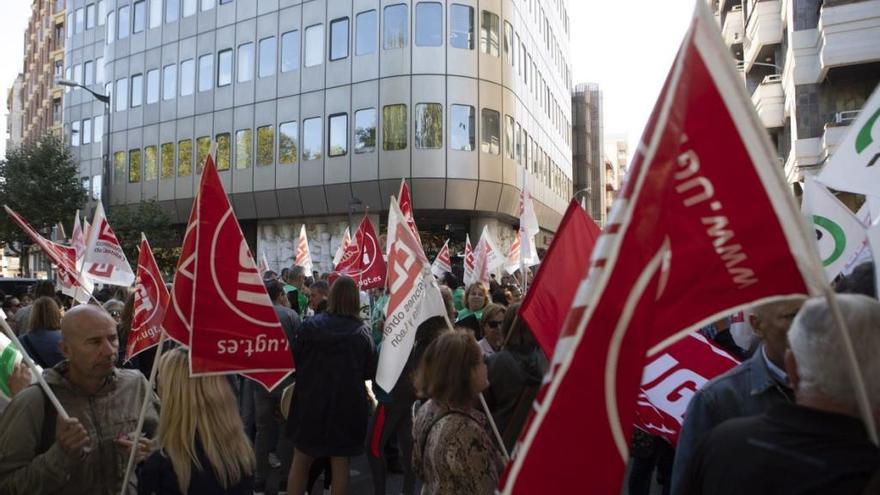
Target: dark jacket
(515, 376)
(157, 477)
(328, 414)
(41, 345)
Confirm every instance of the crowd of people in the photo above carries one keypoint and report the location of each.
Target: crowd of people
(785, 420)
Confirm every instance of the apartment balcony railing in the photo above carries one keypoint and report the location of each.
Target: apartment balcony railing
(849, 32)
(836, 130)
(732, 31)
(763, 28)
(769, 101)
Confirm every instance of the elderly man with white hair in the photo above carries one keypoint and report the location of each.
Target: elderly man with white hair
(818, 444)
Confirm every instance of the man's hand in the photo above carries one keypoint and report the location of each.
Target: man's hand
(19, 379)
(145, 447)
(71, 435)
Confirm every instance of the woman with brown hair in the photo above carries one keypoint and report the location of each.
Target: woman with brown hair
(490, 326)
(333, 352)
(476, 297)
(41, 341)
(453, 450)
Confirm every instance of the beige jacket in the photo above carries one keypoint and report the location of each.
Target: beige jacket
(106, 415)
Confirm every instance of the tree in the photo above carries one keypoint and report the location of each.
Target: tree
(39, 180)
(129, 221)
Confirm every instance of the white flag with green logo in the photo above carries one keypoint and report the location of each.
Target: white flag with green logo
(839, 234)
(855, 165)
(9, 357)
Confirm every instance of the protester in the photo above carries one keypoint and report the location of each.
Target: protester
(43, 288)
(114, 308)
(449, 302)
(318, 294)
(490, 328)
(476, 297)
(202, 445)
(453, 281)
(750, 388)
(453, 450)
(11, 307)
(43, 340)
(294, 280)
(859, 281)
(720, 334)
(500, 297)
(42, 453)
(329, 411)
(819, 444)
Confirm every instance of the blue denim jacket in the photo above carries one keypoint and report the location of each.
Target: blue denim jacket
(746, 390)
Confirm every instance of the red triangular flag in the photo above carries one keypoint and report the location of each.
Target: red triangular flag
(63, 257)
(404, 201)
(442, 263)
(178, 317)
(150, 302)
(469, 262)
(363, 259)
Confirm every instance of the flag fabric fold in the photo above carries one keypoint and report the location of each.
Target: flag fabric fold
(78, 241)
(405, 202)
(340, 252)
(363, 260)
(442, 262)
(303, 256)
(178, 317)
(264, 263)
(839, 234)
(151, 300)
(469, 262)
(105, 261)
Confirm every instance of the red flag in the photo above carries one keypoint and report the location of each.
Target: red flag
(178, 318)
(234, 326)
(63, 257)
(548, 299)
(105, 260)
(442, 263)
(469, 262)
(405, 203)
(704, 226)
(150, 302)
(670, 379)
(363, 259)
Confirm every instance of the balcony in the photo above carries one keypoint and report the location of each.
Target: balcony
(764, 28)
(849, 32)
(732, 31)
(836, 131)
(769, 101)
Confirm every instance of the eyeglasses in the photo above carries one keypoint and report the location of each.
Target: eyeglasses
(115, 313)
(494, 324)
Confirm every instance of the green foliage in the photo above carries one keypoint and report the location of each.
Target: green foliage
(129, 221)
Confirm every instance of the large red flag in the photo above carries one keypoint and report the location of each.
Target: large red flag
(150, 303)
(234, 326)
(178, 318)
(405, 203)
(704, 226)
(547, 302)
(63, 257)
(362, 259)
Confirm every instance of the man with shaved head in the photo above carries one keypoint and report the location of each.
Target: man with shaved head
(42, 453)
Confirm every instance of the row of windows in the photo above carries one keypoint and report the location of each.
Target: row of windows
(428, 134)
(133, 18)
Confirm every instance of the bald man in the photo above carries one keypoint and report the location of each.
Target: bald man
(42, 453)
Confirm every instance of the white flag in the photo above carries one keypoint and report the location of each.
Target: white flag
(469, 275)
(515, 252)
(340, 252)
(105, 261)
(442, 263)
(413, 297)
(303, 256)
(78, 241)
(864, 252)
(839, 234)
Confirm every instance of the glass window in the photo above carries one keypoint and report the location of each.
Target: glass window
(189, 8)
(245, 62)
(519, 142)
(152, 86)
(206, 72)
(290, 51)
(87, 131)
(461, 128)
(224, 68)
(121, 94)
(287, 142)
(314, 45)
(265, 145)
(508, 137)
(207, 5)
(151, 163)
(70, 24)
(267, 56)
(124, 21)
(225, 1)
(169, 82)
(203, 147)
(366, 31)
(461, 26)
(99, 128)
(167, 160)
(312, 139)
(224, 151)
(139, 16)
(155, 13)
(80, 21)
(172, 7)
(184, 157)
(102, 11)
(338, 130)
(490, 131)
(96, 187)
(395, 29)
(244, 148)
(489, 34)
(75, 133)
(99, 70)
(365, 130)
(394, 125)
(339, 39)
(429, 24)
(89, 73)
(187, 77)
(77, 74)
(119, 167)
(137, 90)
(429, 125)
(134, 166)
(90, 16)
(110, 35)
(509, 49)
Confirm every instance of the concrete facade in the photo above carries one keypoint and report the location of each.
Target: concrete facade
(588, 149)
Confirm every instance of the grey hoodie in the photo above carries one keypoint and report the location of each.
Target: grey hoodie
(105, 415)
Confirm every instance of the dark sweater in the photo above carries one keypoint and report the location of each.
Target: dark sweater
(156, 477)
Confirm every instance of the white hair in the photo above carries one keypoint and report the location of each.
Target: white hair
(822, 363)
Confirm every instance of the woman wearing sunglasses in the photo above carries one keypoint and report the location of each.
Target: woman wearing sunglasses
(490, 324)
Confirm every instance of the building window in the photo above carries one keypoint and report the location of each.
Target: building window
(99, 70)
(121, 94)
(87, 131)
(245, 62)
(461, 128)
(265, 145)
(155, 13)
(137, 90)
(206, 72)
(203, 147)
(394, 125)
(184, 157)
(509, 47)
(110, 35)
(207, 5)
(287, 143)
(151, 163)
(224, 68)
(290, 51)
(77, 74)
(75, 133)
(189, 8)
(365, 130)
(99, 129)
(312, 139)
(124, 21)
(508, 137)
(119, 167)
(89, 73)
(139, 16)
(314, 45)
(167, 160)
(134, 166)
(224, 150)
(187, 77)
(461, 26)
(429, 125)
(490, 131)
(70, 24)
(339, 39)
(268, 53)
(172, 7)
(169, 82)
(366, 33)
(489, 34)
(395, 28)
(429, 25)
(80, 21)
(152, 86)
(90, 16)
(338, 131)
(244, 148)
(102, 11)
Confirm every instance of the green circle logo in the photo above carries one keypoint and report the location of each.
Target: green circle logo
(831, 239)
